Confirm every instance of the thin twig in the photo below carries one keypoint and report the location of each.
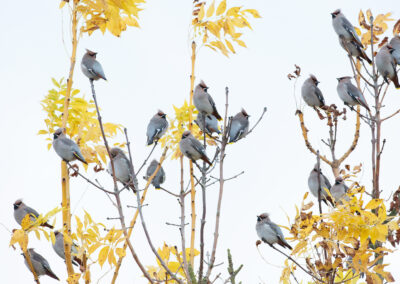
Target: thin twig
(258, 121)
(148, 157)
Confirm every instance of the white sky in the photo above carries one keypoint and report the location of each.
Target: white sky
(149, 68)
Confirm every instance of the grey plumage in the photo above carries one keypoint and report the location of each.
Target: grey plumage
(313, 185)
(156, 128)
(122, 167)
(349, 93)
(192, 148)
(211, 123)
(67, 149)
(269, 232)
(203, 101)
(339, 190)
(395, 43)
(21, 210)
(159, 177)
(239, 126)
(91, 67)
(386, 64)
(344, 28)
(40, 264)
(354, 49)
(311, 94)
(58, 247)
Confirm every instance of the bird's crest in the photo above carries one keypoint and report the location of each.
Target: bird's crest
(244, 112)
(91, 53)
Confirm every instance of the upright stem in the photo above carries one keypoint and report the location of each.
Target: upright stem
(319, 182)
(28, 260)
(182, 226)
(116, 191)
(66, 212)
(192, 185)
(203, 194)
(221, 185)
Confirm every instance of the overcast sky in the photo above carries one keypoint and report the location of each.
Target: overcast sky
(148, 69)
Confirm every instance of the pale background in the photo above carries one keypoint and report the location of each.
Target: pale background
(148, 68)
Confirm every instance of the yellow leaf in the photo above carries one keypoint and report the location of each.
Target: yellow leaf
(233, 11)
(62, 4)
(120, 252)
(221, 7)
(52, 237)
(374, 203)
(210, 10)
(111, 258)
(37, 234)
(230, 46)
(200, 16)
(20, 237)
(94, 247)
(42, 132)
(253, 12)
(103, 255)
(240, 42)
(26, 222)
(358, 31)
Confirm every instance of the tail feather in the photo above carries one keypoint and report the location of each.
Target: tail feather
(47, 225)
(80, 157)
(395, 80)
(150, 140)
(365, 57)
(216, 114)
(205, 159)
(284, 244)
(52, 275)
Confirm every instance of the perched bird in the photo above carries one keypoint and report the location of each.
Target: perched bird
(192, 148)
(67, 149)
(203, 101)
(339, 190)
(313, 185)
(157, 127)
(311, 94)
(386, 64)
(159, 177)
(344, 28)
(58, 247)
(239, 126)
(354, 49)
(269, 232)
(395, 43)
(91, 67)
(210, 121)
(349, 93)
(122, 167)
(21, 210)
(40, 264)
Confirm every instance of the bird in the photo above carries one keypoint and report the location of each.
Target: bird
(339, 190)
(395, 43)
(40, 264)
(354, 49)
(58, 247)
(21, 210)
(311, 94)
(386, 64)
(159, 178)
(349, 93)
(239, 126)
(210, 121)
(203, 101)
(269, 232)
(122, 167)
(157, 127)
(313, 185)
(91, 67)
(344, 28)
(67, 149)
(192, 148)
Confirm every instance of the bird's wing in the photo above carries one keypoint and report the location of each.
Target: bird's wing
(326, 180)
(349, 27)
(37, 257)
(319, 95)
(277, 230)
(356, 95)
(197, 146)
(97, 70)
(150, 170)
(31, 211)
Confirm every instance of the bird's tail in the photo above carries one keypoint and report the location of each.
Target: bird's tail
(80, 157)
(284, 244)
(150, 140)
(51, 274)
(216, 114)
(395, 80)
(47, 225)
(365, 56)
(205, 159)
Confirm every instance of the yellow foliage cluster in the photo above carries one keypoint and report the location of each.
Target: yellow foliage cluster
(379, 27)
(218, 26)
(111, 15)
(82, 124)
(349, 239)
(177, 126)
(173, 259)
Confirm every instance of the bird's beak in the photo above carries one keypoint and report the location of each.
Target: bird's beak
(206, 89)
(338, 79)
(258, 218)
(15, 207)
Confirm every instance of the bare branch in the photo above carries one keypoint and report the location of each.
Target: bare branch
(258, 121)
